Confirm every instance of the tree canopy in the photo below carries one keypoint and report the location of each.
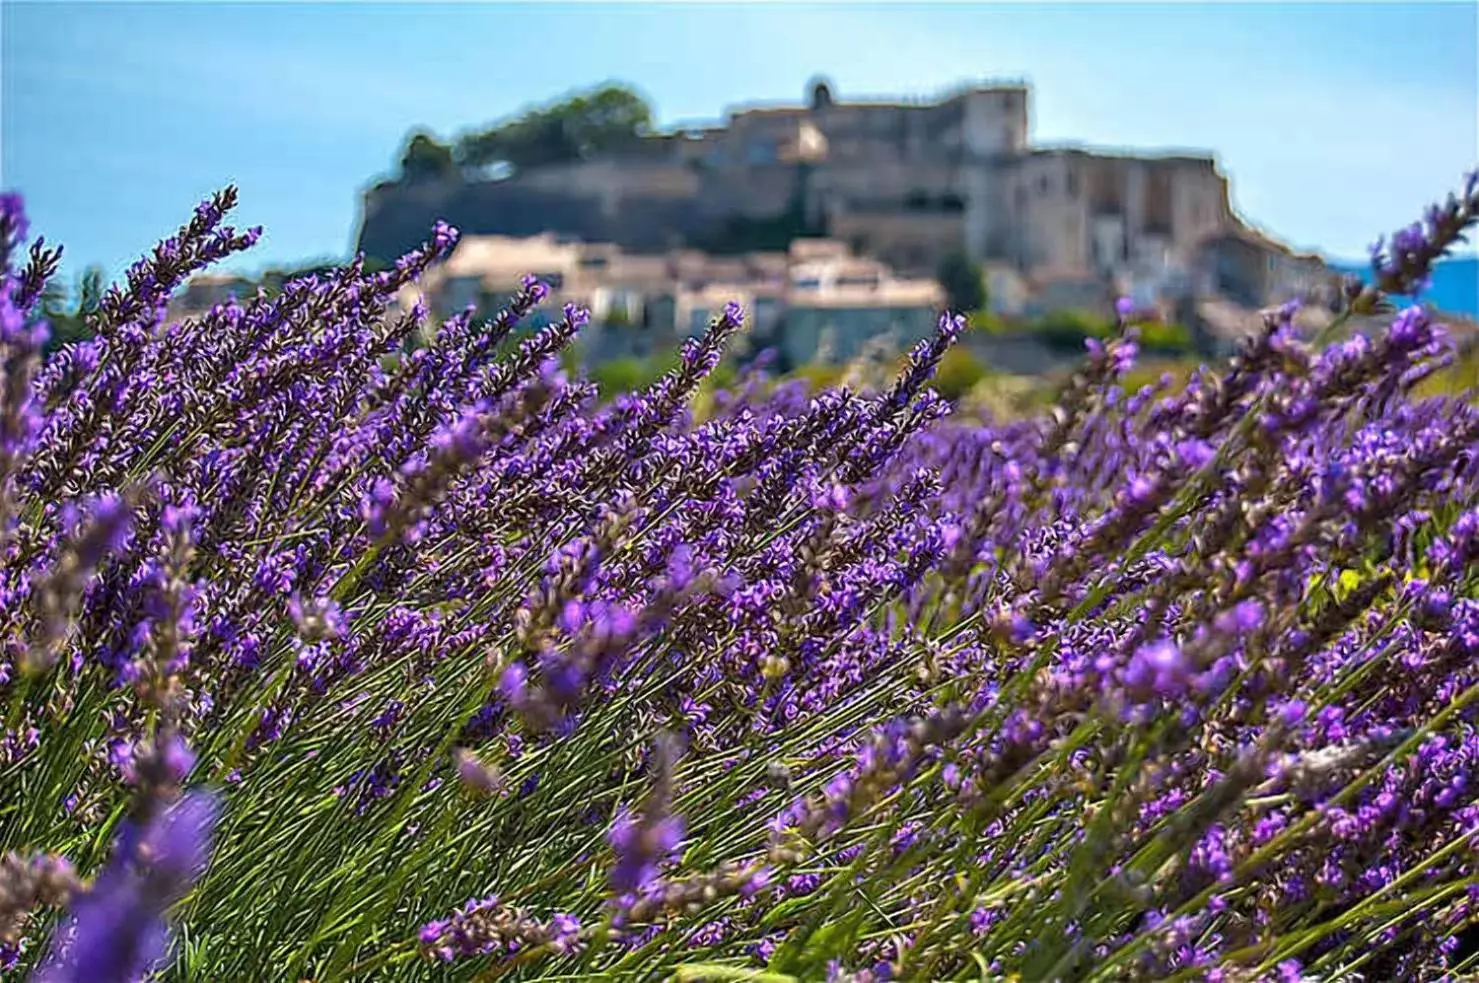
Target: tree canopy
(582, 126)
(426, 158)
(963, 283)
(68, 323)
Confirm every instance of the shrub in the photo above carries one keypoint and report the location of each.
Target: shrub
(1067, 330)
(819, 376)
(985, 322)
(453, 671)
(629, 374)
(1162, 336)
(958, 373)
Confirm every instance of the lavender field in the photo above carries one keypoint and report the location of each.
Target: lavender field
(326, 658)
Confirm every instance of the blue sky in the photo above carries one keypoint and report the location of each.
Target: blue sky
(1336, 122)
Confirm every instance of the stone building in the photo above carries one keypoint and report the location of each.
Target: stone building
(904, 181)
(815, 300)
(1252, 270)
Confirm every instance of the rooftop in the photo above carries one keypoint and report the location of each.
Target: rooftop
(1183, 155)
(811, 101)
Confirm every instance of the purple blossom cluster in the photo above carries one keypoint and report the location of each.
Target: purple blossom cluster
(1169, 682)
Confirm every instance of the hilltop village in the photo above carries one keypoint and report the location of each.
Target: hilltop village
(832, 219)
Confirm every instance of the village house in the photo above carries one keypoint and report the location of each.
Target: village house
(644, 303)
(887, 189)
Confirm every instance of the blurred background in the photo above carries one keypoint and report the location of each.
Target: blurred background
(844, 170)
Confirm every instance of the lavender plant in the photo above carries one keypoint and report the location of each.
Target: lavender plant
(322, 658)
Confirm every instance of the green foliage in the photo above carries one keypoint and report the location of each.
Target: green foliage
(958, 373)
(1158, 336)
(722, 379)
(964, 285)
(425, 158)
(819, 375)
(985, 322)
(1066, 330)
(69, 324)
(585, 125)
(629, 374)
(1145, 373)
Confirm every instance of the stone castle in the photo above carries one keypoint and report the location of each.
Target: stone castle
(906, 182)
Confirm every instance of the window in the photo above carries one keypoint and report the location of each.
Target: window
(1072, 184)
(554, 280)
(1042, 185)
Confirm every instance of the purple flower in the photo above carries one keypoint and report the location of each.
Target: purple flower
(1160, 670)
(117, 929)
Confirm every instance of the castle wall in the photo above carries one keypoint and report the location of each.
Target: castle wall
(1051, 216)
(907, 181)
(839, 187)
(989, 221)
(616, 179)
(1199, 205)
(753, 192)
(911, 242)
(995, 122)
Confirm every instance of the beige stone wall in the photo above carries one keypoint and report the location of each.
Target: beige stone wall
(909, 241)
(995, 122)
(885, 180)
(1200, 206)
(620, 178)
(1052, 216)
(990, 221)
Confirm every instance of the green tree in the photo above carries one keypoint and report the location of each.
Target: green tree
(585, 125)
(426, 159)
(68, 324)
(964, 285)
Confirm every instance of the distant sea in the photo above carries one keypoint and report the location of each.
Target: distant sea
(1455, 288)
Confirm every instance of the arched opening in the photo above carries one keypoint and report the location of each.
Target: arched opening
(821, 94)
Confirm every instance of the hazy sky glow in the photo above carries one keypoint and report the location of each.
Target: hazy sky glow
(1335, 121)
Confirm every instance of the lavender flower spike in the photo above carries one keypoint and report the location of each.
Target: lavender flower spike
(116, 932)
